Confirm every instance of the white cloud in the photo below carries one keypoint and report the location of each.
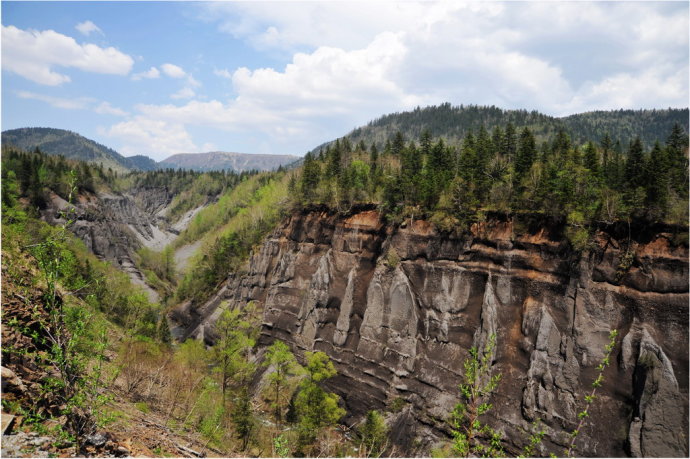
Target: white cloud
(191, 81)
(651, 89)
(357, 63)
(74, 103)
(33, 55)
(184, 93)
(223, 73)
(87, 27)
(151, 73)
(104, 108)
(155, 138)
(173, 71)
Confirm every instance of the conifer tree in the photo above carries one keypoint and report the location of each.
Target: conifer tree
(634, 167)
(510, 142)
(677, 149)
(279, 357)
(526, 153)
(657, 172)
(497, 140)
(561, 144)
(311, 175)
(591, 159)
(398, 145)
(315, 407)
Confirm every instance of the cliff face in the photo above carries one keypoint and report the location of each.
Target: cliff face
(114, 226)
(397, 309)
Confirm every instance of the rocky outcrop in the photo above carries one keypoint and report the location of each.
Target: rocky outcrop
(114, 226)
(398, 307)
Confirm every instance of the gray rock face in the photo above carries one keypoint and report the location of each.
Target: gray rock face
(398, 308)
(114, 226)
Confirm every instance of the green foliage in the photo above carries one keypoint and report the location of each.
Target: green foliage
(535, 439)
(589, 399)
(453, 123)
(284, 364)
(374, 434)
(586, 184)
(392, 258)
(281, 446)
(397, 404)
(75, 340)
(243, 417)
(68, 144)
(228, 231)
(475, 391)
(235, 330)
(311, 175)
(143, 407)
(316, 408)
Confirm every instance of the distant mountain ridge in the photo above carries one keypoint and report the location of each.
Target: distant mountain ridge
(74, 146)
(68, 144)
(221, 160)
(453, 122)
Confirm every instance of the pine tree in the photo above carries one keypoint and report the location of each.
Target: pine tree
(311, 175)
(510, 142)
(591, 159)
(634, 166)
(243, 417)
(677, 152)
(526, 154)
(374, 434)
(561, 144)
(657, 172)
(467, 163)
(398, 145)
(334, 166)
(279, 357)
(315, 407)
(497, 140)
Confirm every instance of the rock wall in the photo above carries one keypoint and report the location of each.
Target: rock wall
(114, 226)
(398, 307)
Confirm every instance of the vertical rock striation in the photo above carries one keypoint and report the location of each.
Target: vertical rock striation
(397, 309)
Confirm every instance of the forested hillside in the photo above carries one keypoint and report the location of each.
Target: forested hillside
(453, 122)
(506, 170)
(68, 144)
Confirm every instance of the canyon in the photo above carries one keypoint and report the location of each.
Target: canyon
(398, 306)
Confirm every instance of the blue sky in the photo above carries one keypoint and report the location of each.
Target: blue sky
(159, 78)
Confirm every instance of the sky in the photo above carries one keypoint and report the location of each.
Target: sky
(158, 78)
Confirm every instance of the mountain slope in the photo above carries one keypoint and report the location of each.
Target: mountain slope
(221, 160)
(453, 122)
(142, 163)
(69, 144)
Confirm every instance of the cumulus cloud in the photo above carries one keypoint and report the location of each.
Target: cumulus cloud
(34, 54)
(349, 65)
(155, 138)
(150, 74)
(88, 27)
(173, 71)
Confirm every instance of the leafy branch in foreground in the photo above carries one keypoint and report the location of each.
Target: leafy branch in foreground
(476, 390)
(584, 414)
(66, 332)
